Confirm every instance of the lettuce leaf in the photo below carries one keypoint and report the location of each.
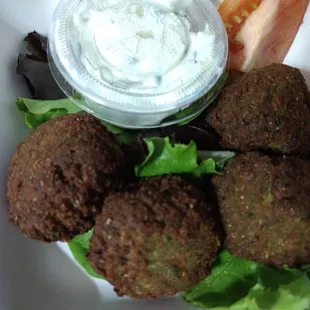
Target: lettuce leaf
(221, 158)
(78, 247)
(165, 158)
(230, 279)
(40, 111)
(238, 284)
(33, 65)
(39, 107)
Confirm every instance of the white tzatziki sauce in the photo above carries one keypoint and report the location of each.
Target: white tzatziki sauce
(142, 48)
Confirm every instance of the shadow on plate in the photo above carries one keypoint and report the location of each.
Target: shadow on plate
(38, 276)
(111, 302)
(169, 303)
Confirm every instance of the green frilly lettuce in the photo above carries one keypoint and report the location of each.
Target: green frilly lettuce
(40, 111)
(238, 284)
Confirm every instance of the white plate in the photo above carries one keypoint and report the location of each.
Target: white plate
(38, 276)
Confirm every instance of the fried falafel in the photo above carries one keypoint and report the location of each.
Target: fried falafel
(265, 206)
(156, 239)
(60, 175)
(267, 108)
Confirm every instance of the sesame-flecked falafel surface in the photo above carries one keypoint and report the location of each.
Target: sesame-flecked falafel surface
(157, 238)
(60, 175)
(265, 109)
(265, 208)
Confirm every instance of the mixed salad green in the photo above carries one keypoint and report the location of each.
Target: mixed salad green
(234, 283)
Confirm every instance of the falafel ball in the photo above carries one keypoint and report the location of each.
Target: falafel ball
(267, 108)
(156, 239)
(60, 175)
(265, 206)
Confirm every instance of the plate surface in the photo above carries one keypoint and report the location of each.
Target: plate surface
(34, 275)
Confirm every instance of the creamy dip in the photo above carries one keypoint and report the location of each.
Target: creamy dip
(143, 47)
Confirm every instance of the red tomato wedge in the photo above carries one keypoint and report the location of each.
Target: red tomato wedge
(261, 32)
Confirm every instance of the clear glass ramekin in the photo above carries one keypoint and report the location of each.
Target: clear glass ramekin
(189, 92)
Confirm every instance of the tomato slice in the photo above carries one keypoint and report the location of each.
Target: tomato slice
(234, 14)
(261, 32)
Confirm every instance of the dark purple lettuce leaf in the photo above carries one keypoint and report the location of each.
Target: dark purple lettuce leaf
(33, 65)
(199, 131)
(37, 46)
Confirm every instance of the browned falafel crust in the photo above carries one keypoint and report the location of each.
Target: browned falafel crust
(157, 239)
(267, 108)
(265, 207)
(60, 175)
